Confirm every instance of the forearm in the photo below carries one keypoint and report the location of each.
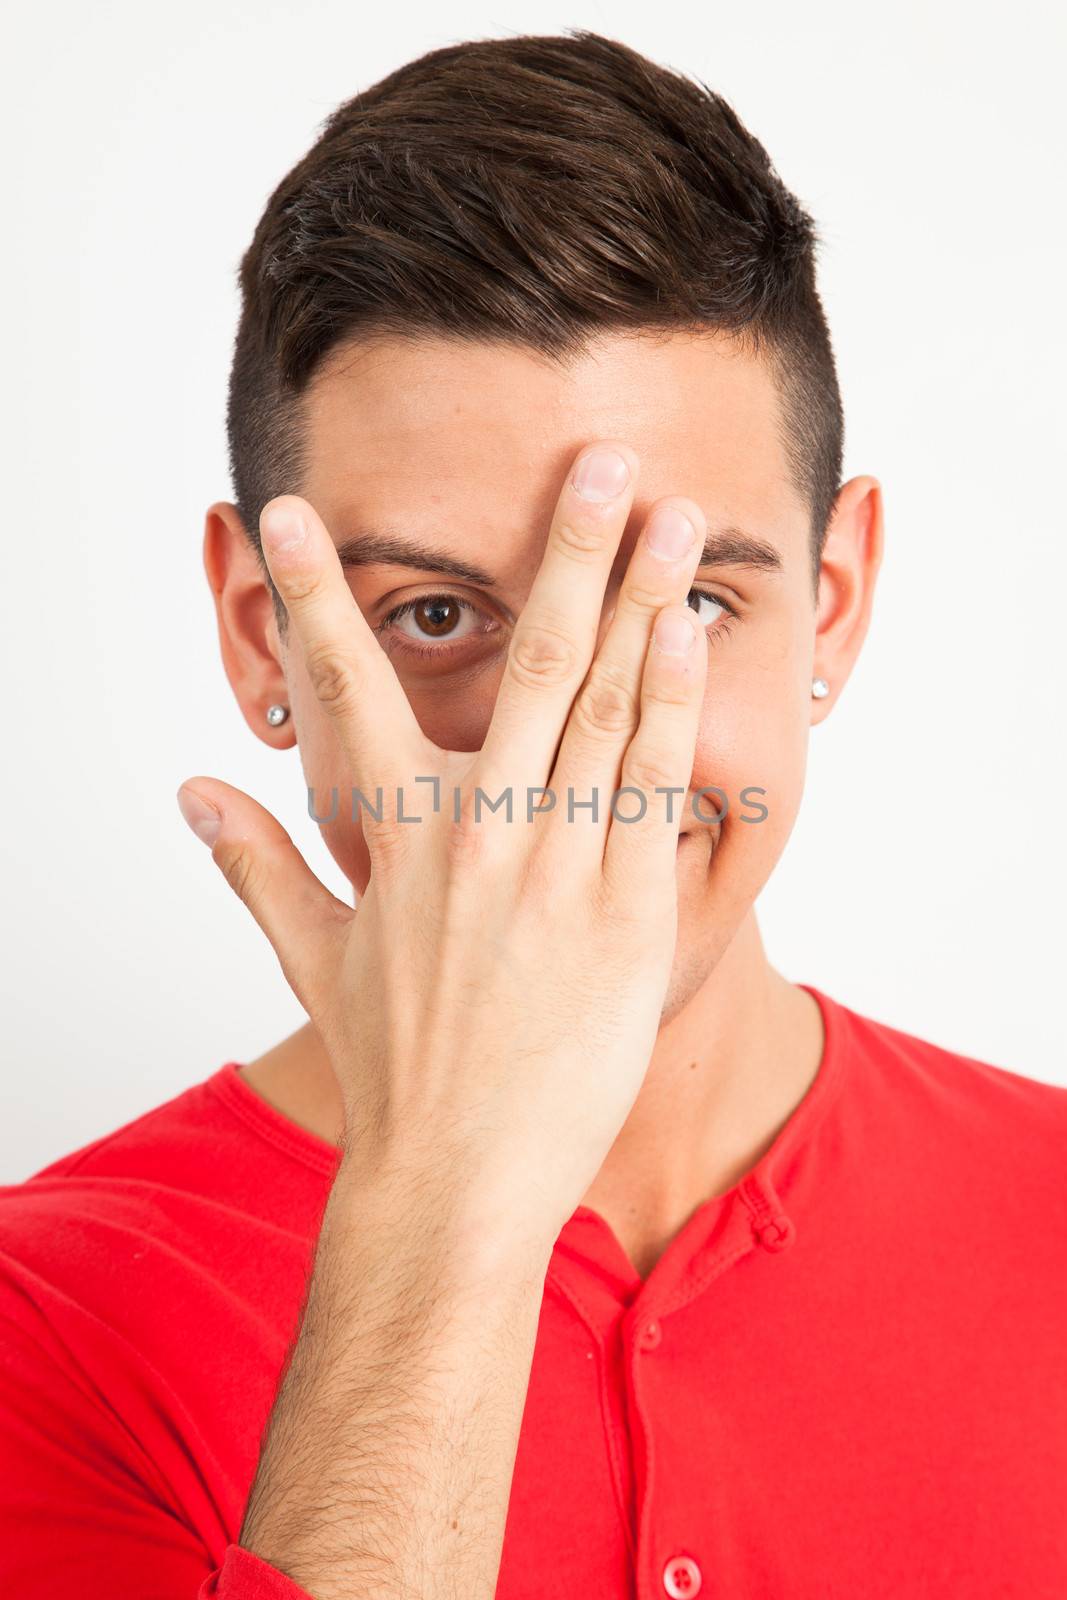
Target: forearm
(387, 1461)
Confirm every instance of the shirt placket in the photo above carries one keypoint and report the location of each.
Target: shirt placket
(633, 1323)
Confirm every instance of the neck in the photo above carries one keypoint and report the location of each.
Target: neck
(730, 1066)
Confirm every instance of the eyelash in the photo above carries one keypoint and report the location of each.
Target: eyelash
(716, 631)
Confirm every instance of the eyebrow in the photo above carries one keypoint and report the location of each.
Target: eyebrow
(726, 546)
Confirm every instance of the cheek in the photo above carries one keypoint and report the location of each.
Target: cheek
(345, 842)
(456, 716)
(456, 720)
(753, 734)
(342, 835)
(327, 769)
(754, 742)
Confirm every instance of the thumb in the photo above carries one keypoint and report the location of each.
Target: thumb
(305, 924)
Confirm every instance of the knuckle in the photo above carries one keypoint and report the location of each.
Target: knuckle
(579, 539)
(467, 837)
(669, 690)
(607, 705)
(242, 872)
(299, 587)
(540, 876)
(387, 847)
(480, 832)
(541, 655)
(332, 676)
(643, 600)
(650, 768)
(465, 843)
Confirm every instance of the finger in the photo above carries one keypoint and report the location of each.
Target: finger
(305, 923)
(607, 710)
(556, 633)
(350, 673)
(640, 855)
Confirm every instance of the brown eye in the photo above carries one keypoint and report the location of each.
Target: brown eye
(437, 616)
(434, 621)
(694, 598)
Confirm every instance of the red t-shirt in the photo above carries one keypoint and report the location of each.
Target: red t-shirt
(847, 1377)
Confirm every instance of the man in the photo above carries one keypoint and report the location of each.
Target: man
(569, 1248)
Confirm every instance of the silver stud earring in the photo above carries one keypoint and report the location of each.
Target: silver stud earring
(276, 715)
(819, 688)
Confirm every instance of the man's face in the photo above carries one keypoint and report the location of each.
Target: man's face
(463, 448)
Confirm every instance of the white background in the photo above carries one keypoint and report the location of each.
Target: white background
(924, 883)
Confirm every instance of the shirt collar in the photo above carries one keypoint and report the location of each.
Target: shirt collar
(590, 1269)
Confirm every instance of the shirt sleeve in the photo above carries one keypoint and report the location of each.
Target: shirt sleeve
(244, 1576)
(77, 1514)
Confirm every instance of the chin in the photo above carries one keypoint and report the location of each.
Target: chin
(691, 970)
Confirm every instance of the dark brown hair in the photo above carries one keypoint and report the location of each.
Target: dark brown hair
(535, 190)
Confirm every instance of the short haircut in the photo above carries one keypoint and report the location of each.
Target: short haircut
(536, 191)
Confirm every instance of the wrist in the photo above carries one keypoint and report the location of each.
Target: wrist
(428, 1224)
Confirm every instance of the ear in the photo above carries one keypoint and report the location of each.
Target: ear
(852, 555)
(248, 632)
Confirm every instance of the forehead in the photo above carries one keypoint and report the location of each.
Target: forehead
(472, 440)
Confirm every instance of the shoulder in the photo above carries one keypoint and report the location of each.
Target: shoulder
(910, 1063)
(956, 1117)
(213, 1139)
(149, 1284)
(189, 1204)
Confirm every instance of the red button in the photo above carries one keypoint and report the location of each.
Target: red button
(776, 1233)
(681, 1578)
(650, 1336)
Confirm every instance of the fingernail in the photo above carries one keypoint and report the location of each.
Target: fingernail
(601, 475)
(204, 820)
(282, 529)
(670, 533)
(674, 634)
